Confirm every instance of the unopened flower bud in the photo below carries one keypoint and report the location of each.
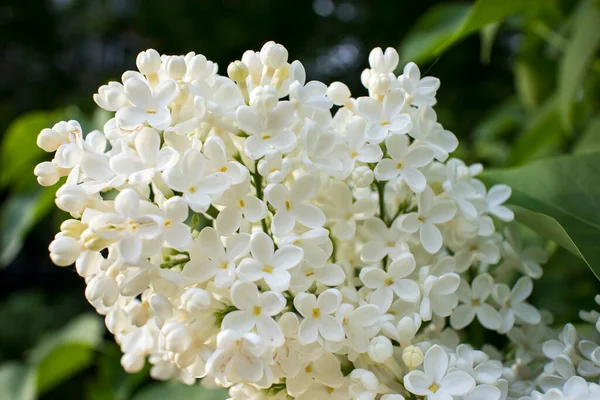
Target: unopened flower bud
(47, 173)
(49, 140)
(103, 289)
(175, 337)
(412, 357)
(362, 176)
(384, 63)
(71, 198)
(338, 93)
(132, 362)
(273, 55)
(380, 84)
(380, 349)
(148, 62)
(64, 250)
(176, 67)
(139, 314)
(197, 66)
(111, 97)
(72, 227)
(264, 98)
(195, 300)
(237, 71)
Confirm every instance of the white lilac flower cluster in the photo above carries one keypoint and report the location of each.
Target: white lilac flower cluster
(287, 240)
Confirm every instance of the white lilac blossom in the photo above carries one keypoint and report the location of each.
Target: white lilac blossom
(243, 230)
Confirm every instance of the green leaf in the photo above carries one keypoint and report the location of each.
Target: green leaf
(179, 391)
(431, 31)
(488, 35)
(482, 13)
(590, 138)
(560, 192)
(542, 136)
(67, 352)
(19, 213)
(19, 152)
(17, 382)
(578, 56)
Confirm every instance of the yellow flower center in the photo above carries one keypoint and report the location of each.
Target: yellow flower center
(433, 388)
(354, 154)
(389, 281)
(168, 223)
(268, 269)
(150, 111)
(316, 312)
(399, 165)
(476, 302)
(192, 189)
(242, 203)
(256, 310)
(288, 205)
(223, 169)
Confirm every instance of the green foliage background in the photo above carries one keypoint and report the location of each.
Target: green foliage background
(520, 88)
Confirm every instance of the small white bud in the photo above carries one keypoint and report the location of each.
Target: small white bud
(132, 362)
(412, 357)
(103, 289)
(71, 198)
(176, 67)
(384, 63)
(148, 62)
(49, 140)
(175, 337)
(380, 84)
(139, 314)
(264, 98)
(362, 176)
(47, 173)
(380, 349)
(273, 55)
(338, 93)
(64, 250)
(197, 66)
(195, 300)
(237, 71)
(72, 227)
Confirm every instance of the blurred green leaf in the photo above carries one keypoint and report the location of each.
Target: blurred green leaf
(485, 12)
(67, 352)
(19, 152)
(111, 381)
(430, 31)
(543, 136)
(488, 35)
(590, 138)
(565, 189)
(578, 57)
(19, 213)
(17, 382)
(179, 391)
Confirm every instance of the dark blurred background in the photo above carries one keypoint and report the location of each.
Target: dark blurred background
(56, 53)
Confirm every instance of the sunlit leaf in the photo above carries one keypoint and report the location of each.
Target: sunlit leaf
(578, 56)
(18, 152)
(17, 382)
(19, 213)
(431, 31)
(179, 391)
(564, 190)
